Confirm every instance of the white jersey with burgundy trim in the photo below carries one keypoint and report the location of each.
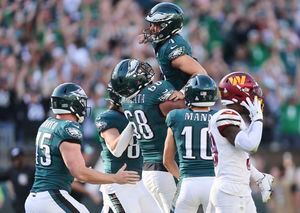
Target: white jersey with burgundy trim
(232, 165)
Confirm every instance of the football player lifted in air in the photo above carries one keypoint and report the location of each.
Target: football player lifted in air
(146, 105)
(59, 158)
(173, 53)
(235, 133)
(120, 147)
(188, 135)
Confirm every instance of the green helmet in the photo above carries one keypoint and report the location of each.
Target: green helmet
(170, 18)
(201, 91)
(69, 98)
(130, 76)
(113, 97)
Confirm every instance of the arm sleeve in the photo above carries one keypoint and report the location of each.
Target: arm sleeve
(249, 139)
(125, 138)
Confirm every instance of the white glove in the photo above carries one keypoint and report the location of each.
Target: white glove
(253, 108)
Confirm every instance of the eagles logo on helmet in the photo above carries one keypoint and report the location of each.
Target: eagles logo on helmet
(169, 17)
(130, 76)
(70, 98)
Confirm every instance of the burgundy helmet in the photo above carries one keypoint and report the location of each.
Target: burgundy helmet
(237, 86)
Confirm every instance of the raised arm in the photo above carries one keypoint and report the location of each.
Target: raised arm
(189, 65)
(247, 139)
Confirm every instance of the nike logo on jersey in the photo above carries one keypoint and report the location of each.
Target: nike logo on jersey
(173, 47)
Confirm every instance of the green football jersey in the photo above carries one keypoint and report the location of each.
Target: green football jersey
(51, 172)
(132, 156)
(168, 51)
(190, 129)
(149, 123)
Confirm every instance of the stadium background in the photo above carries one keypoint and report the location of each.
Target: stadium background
(44, 43)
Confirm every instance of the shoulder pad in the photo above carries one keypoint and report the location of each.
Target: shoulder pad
(228, 117)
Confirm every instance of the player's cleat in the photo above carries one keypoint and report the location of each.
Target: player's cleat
(265, 185)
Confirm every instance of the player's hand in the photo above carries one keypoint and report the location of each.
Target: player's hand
(123, 177)
(254, 108)
(176, 95)
(142, 39)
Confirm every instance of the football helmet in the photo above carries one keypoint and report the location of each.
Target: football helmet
(113, 97)
(201, 91)
(170, 19)
(69, 98)
(237, 86)
(130, 76)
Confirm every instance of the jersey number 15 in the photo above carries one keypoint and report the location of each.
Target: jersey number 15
(42, 151)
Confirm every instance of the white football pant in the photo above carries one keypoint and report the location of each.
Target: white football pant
(162, 187)
(193, 192)
(53, 201)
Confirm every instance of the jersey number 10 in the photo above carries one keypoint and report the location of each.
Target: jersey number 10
(188, 133)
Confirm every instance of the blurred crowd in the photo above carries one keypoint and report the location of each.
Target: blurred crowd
(44, 43)
(286, 193)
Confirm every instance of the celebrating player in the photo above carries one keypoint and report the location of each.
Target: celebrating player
(146, 106)
(172, 51)
(59, 158)
(187, 135)
(119, 148)
(235, 132)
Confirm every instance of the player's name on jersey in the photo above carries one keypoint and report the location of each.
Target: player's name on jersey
(198, 116)
(138, 99)
(49, 124)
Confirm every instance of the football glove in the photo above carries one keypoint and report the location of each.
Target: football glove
(254, 108)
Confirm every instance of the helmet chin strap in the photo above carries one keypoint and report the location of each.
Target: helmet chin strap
(80, 118)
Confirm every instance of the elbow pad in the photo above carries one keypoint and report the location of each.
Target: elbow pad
(249, 139)
(125, 138)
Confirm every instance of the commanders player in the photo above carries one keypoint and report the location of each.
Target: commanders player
(119, 148)
(146, 106)
(59, 158)
(235, 133)
(173, 53)
(188, 135)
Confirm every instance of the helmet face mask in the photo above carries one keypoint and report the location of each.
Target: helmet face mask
(113, 97)
(201, 91)
(169, 17)
(237, 86)
(130, 76)
(70, 98)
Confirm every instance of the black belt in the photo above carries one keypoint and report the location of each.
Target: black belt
(154, 167)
